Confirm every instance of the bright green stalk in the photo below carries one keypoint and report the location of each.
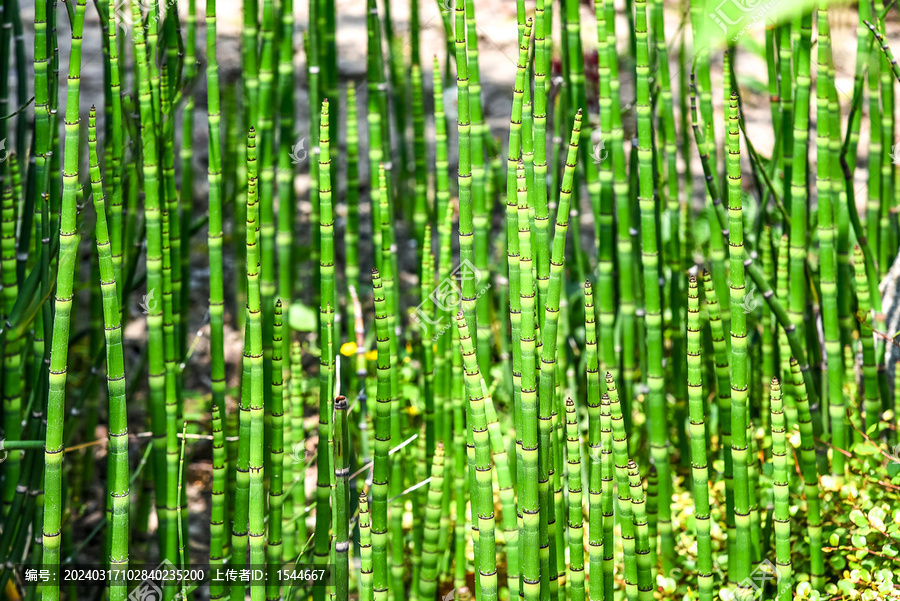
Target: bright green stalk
(605, 235)
(215, 235)
(12, 352)
(739, 362)
(218, 513)
(799, 205)
(516, 186)
(715, 213)
(341, 499)
(781, 493)
(607, 467)
(699, 461)
(377, 112)
(620, 450)
(381, 464)
(547, 460)
(642, 535)
(723, 394)
(241, 514)
(116, 155)
(153, 212)
(253, 343)
(505, 492)
(532, 490)
(872, 403)
(420, 174)
(827, 194)
(117, 502)
(624, 242)
(481, 484)
(575, 571)
(810, 480)
(274, 536)
(249, 60)
(298, 432)
(575, 89)
(430, 547)
(653, 515)
(466, 232)
(287, 208)
(596, 550)
(542, 66)
(459, 463)
(267, 105)
(365, 549)
(659, 440)
(326, 333)
(481, 201)
(68, 256)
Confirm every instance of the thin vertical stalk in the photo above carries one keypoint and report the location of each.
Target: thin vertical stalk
(68, 255)
(699, 461)
(117, 501)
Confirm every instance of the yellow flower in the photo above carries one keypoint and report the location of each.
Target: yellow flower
(372, 355)
(348, 349)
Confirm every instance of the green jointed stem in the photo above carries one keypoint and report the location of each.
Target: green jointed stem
(341, 499)
(506, 492)
(515, 180)
(781, 493)
(481, 484)
(381, 464)
(117, 501)
(274, 536)
(623, 504)
(68, 256)
(215, 235)
(431, 550)
(699, 460)
(326, 333)
(828, 192)
(605, 235)
(799, 209)
(723, 395)
(287, 211)
(659, 440)
(642, 534)
(531, 490)
(365, 549)
(542, 66)
(218, 512)
(595, 444)
(872, 402)
(153, 301)
(13, 351)
(575, 515)
(464, 126)
(254, 351)
(740, 368)
(810, 480)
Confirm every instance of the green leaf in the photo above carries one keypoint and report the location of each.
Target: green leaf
(302, 318)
